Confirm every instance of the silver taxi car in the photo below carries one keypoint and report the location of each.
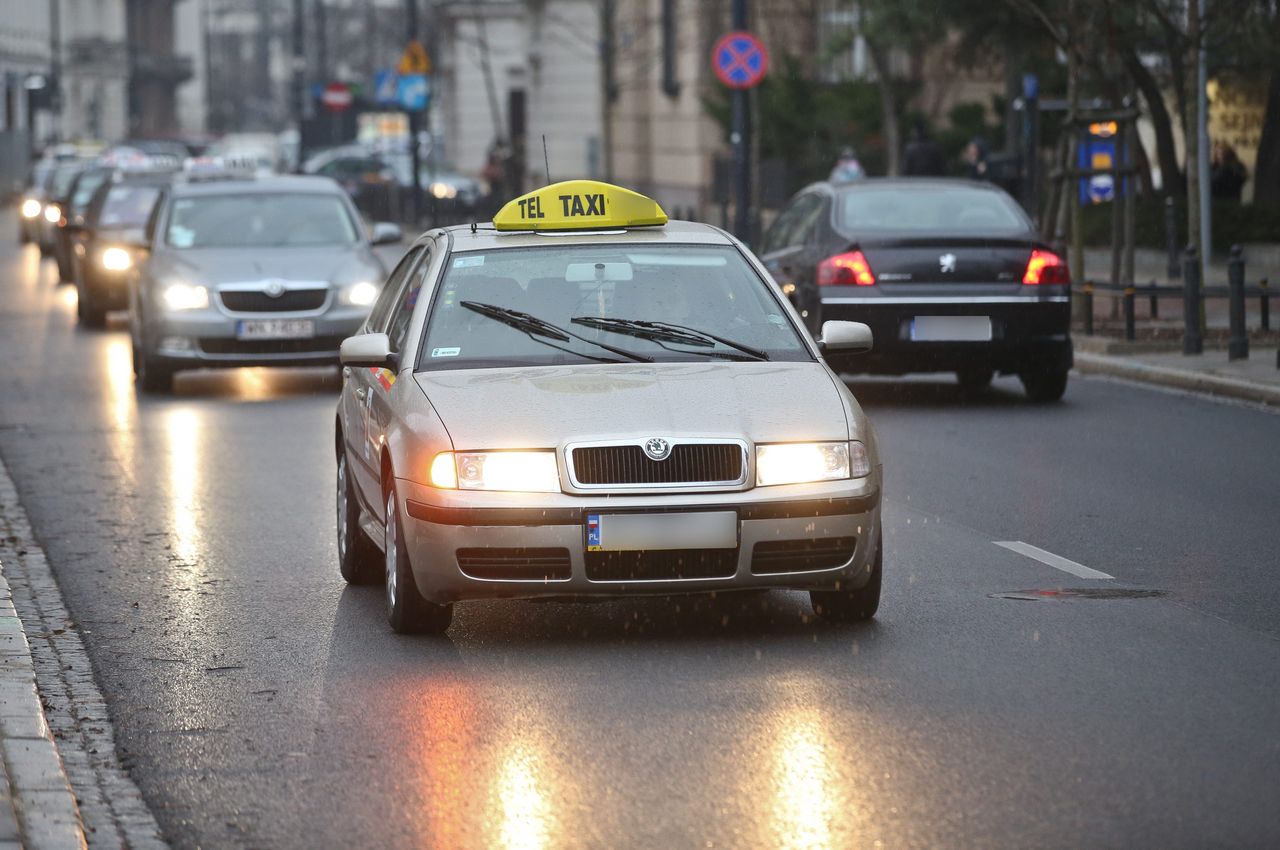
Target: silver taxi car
(584, 399)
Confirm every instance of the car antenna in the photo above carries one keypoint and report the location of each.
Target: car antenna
(546, 160)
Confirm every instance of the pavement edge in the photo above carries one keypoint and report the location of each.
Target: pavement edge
(1199, 382)
(68, 787)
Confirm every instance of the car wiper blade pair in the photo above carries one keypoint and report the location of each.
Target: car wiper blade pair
(541, 330)
(661, 332)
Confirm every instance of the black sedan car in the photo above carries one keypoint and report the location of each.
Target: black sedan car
(951, 275)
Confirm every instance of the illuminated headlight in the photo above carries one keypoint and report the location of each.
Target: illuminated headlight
(360, 294)
(30, 208)
(185, 296)
(530, 472)
(443, 190)
(800, 463)
(116, 259)
(52, 213)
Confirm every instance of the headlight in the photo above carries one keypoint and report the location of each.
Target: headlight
(116, 259)
(443, 190)
(800, 463)
(360, 294)
(52, 213)
(30, 208)
(185, 296)
(532, 472)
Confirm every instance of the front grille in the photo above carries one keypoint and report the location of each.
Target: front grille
(661, 564)
(530, 563)
(689, 463)
(793, 556)
(290, 301)
(226, 345)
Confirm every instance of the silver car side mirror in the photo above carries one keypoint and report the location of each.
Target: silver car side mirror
(386, 233)
(846, 337)
(366, 350)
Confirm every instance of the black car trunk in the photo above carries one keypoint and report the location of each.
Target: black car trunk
(901, 262)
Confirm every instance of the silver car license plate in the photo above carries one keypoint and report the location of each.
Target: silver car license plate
(951, 329)
(630, 532)
(275, 329)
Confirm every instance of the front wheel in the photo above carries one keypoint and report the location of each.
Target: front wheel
(152, 374)
(1044, 385)
(358, 558)
(852, 606)
(407, 611)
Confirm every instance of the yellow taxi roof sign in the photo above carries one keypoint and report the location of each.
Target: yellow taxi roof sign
(579, 205)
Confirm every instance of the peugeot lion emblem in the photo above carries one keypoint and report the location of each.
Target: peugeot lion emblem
(274, 288)
(657, 448)
(947, 262)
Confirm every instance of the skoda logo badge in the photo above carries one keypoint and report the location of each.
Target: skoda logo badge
(947, 262)
(657, 448)
(274, 288)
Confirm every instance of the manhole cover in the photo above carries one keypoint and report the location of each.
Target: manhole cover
(1078, 593)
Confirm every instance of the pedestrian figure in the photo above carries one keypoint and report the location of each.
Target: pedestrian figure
(847, 168)
(975, 158)
(924, 157)
(1227, 174)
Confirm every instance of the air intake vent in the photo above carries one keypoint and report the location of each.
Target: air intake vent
(523, 564)
(794, 556)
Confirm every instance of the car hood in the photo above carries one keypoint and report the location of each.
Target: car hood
(213, 266)
(543, 407)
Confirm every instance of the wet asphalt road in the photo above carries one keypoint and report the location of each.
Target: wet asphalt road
(261, 703)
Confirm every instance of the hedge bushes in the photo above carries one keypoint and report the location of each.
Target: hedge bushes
(1232, 223)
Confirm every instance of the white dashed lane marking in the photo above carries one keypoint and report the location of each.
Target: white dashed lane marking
(1056, 561)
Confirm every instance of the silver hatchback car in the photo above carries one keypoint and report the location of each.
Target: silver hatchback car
(250, 271)
(582, 399)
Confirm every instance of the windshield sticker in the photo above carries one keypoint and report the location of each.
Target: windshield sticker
(446, 352)
(468, 262)
(181, 237)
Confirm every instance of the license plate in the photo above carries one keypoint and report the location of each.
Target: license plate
(275, 329)
(951, 329)
(631, 532)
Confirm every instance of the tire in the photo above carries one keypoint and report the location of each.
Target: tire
(89, 312)
(152, 375)
(407, 612)
(359, 561)
(1045, 385)
(974, 378)
(852, 606)
(65, 273)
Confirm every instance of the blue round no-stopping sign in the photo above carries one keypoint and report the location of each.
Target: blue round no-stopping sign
(739, 60)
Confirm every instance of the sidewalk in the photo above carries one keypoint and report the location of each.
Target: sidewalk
(1256, 379)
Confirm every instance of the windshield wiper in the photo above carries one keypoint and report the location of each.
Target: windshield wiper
(541, 330)
(661, 332)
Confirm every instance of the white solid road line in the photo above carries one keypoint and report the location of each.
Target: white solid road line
(1055, 561)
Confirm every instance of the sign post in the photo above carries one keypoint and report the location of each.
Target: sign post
(413, 88)
(740, 61)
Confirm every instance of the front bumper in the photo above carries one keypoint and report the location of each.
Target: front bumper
(1026, 332)
(440, 523)
(207, 339)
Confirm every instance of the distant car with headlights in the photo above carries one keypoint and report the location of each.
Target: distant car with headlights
(951, 275)
(56, 184)
(31, 207)
(630, 407)
(246, 270)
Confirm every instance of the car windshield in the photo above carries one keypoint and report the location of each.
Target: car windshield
(614, 303)
(260, 220)
(128, 206)
(60, 180)
(927, 209)
(85, 187)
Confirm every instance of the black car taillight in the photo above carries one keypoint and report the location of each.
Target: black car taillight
(1046, 267)
(848, 269)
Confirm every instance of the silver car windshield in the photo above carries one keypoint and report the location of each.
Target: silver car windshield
(259, 220)
(617, 303)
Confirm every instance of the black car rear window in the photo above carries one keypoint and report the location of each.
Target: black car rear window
(928, 209)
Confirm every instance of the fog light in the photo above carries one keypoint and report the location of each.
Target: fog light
(175, 343)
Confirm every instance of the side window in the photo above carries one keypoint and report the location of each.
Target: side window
(805, 212)
(399, 324)
(154, 218)
(386, 299)
(776, 238)
(811, 217)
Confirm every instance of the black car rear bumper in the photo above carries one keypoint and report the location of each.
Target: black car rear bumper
(1026, 333)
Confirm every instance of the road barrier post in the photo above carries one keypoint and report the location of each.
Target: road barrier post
(1129, 294)
(1192, 339)
(1088, 308)
(1238, 344)
(1155, 306)
(1265, 305)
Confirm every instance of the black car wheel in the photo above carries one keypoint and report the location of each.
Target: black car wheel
(1045, 385)
(852, 606)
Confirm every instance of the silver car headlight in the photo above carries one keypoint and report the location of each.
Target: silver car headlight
(521, 471)
(361, 294)
(52, 213)
(802, 463)
(31, 208)
(115, 259)
(184, 296)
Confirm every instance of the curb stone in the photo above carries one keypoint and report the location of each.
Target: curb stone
(1097, 364)
(68, 788)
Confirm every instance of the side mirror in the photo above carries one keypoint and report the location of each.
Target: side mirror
(386, 233)
(845, 337)
(367, 350)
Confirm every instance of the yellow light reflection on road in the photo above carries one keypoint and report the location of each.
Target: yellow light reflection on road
(523, 811)
(182, 434)
(805, 784)
(118, 364)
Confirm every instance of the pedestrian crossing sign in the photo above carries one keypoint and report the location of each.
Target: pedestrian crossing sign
(415, 60)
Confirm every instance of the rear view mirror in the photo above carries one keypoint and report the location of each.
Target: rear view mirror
(367, 350)
(386, 233)
(845, 337)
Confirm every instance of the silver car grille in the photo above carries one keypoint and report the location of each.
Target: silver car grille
(625, 465)
(260, 301)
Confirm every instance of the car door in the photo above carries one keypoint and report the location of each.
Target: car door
(357, 388)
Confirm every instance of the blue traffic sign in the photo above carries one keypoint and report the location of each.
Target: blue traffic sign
(739, 60)
(414, 92)
(386, 87)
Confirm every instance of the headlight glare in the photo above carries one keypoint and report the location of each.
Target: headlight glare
(185, 296)
(517, 471)
(52, 213)
(361, 294)
(116, 259)
(800, 463)
(30, 208)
